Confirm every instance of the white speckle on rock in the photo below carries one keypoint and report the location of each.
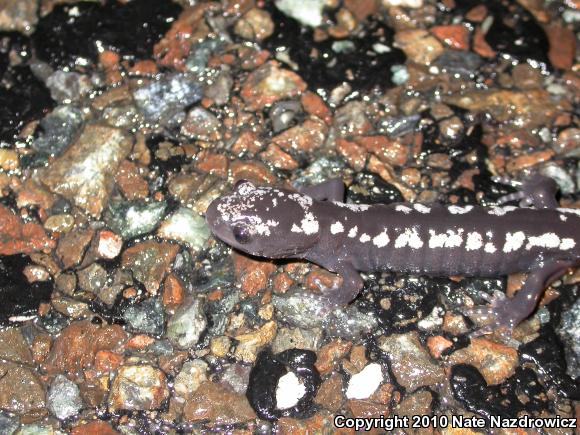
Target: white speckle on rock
(365, 383)
(422, 208)
(474, 241)
(364, 238)
(336, 228)
(455, 209)
(409, 238)
(382, 239)
(513, 241)
(546, 240)
(352, 232)
(289, 391)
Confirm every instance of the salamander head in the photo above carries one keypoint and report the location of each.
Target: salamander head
(264, 221)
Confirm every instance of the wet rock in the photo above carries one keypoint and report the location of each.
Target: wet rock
(13, 346)
(185, 226)
(96, 427)
(264, 387)
(84, 174)
(218, 404)
(410, 362)
(570, 331)
(18, 16)
(76, 346)
(308, 12)
(185, 327)
(278, 158)
(330, 354)
(252, 274)
(562, 46)
(201, 124)
(306, 137)
(92, 278)
(250, 343)
(17, 237)
(163, 101)
(496, 362)
(455, 36)
(190, 377)
(109, 245)
(463, 63)
(330, 394)
(301, 309)
(21, 390)
(289, 338)
(132, 219)
(61, 223)
(147, 317)
(419, 46)
(64, 398)
(131, 182)
(150, 261)
(8, 424)
(393, 152)
(417, 403)
(352, 119)
(237, 377)
(255, 25)
(71, 248)
(67, 86)
(364, 383)
(269, 84)
(283, 113)
(349, 323)
(58, 130)
(219, 91)
(138, 388)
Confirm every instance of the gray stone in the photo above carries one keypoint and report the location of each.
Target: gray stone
(190, 377)
(147, 317)
(66, 87)
(8, 425)
(92, 278)
(132, 219)
(201, 124)
(186, 325)
(163, 101)
(58, 129)
(18, 16)
(64, 398)
(138, 388)
(569, 331)
(85, 173)
(185, 226)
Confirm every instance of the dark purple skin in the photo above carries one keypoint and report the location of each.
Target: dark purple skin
(433, 240)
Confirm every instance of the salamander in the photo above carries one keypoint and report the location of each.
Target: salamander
(317, 225)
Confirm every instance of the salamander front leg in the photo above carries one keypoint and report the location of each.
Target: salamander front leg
(506, 313)
(330, 190)
(538, 191)
(347, 290)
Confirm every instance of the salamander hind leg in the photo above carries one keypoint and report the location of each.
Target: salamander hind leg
(347, 290)
(538, 191)
(503, 313)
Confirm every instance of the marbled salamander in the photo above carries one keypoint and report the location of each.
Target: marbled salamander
(425, 239)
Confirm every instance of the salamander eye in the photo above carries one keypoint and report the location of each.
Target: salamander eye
(241, 234)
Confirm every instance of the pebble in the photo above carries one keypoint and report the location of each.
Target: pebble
(307, 12)
(60, 223)
(419, 46)
(187, 324)
(8, 424)
(64, 398)
(269, 84)
(92, 278)
(219, 91)
(201, 124)
(71, 247)
(149, 261)
(18, 16)
(146, 317)
(190, 377)
(250, 343)
(410, 362)
(455, 36)
(58, 129)
(496, 362)
(289, 391)
(17, 237)
(13, 347)
(164, 101)
(364, 384)
(131, 219)
(68, 86)
(138, 388)
(109, 244)
(185, 226)
(404, 3)
(22, 390)
(305, 138)
(330, 394)
(255, 25)
(289, 338)
(84, 174)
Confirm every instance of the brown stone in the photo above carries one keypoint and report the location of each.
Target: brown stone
(218, 404)
(76, 346)
(314, 105)
(330, 394)
(330, 354)
(252, 274)
(71, 248)
(354, 154)
(173, 291)
(213, 163)
(455, 36)
(419, 45)
(562, 46)
(477, 14)
(361, 9)
(21, 390)
(437, 345)
(94, 428)
(246, 143)
(278, 158)
(306, 137)
(393, 152)
(17, 237)
(132, 185)
(251, 171)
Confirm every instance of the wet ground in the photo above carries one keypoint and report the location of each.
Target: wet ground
(121, 121)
